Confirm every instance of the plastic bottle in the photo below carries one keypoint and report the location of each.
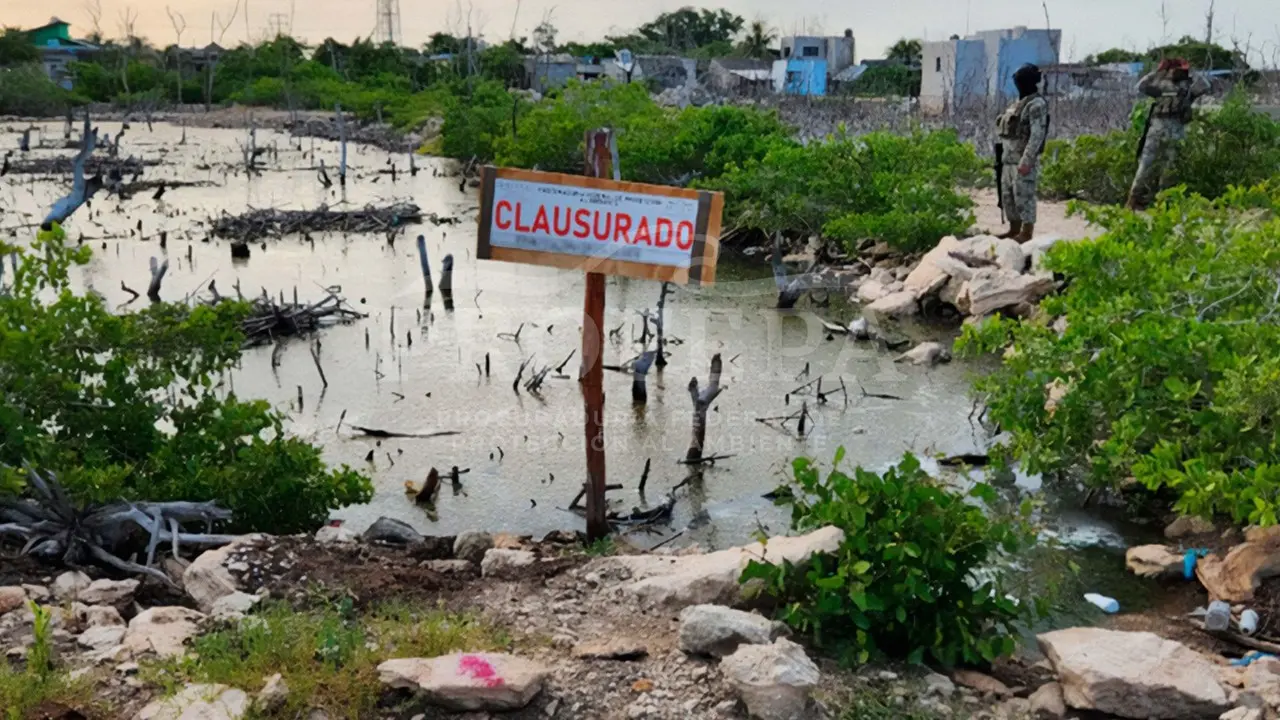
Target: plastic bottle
(1218, 618)
(1104, 603)
(1248, 622)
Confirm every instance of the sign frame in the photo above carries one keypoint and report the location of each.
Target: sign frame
(703, 255)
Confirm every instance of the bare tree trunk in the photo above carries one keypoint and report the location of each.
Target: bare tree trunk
(701, 402)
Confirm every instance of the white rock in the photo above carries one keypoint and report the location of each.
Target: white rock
(951, 292)
(468, 681)
(116, 593)
(199, 702)
(899, 304)
(717, 630)
(882, 275)
(207, 579)
(90, 616)
(1243, 713)
(1188, 525)
(896, 286)
(774, 681)
(39, 593)
(938, 684)
(1007, 254)
(336, 535)
(677, 581)
(1133, 675)
(450, 567)
(926, 353)
(273, 695)
(1153, 561)
(235, 605)
(871, 290)
(498, 562)
(101, 637)
(162, 630)
(471, 546)
(992, 289)
(1047, 703)
(12, 598)
(68, 585)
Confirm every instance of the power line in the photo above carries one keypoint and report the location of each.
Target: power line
(388, 27)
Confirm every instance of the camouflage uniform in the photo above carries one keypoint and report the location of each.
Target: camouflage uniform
(1022, 130)
(1170, 115)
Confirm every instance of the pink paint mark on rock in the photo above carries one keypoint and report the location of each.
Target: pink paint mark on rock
(480, 669)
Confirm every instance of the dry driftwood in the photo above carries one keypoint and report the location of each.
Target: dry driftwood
(269, 319)
(260, 224)
(55, 529)
(66, 165)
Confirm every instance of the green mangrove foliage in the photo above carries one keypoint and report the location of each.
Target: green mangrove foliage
(902, 584)
(1160, 361)
(131, 406)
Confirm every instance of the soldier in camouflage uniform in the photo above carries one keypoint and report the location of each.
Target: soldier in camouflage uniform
(1175, 92)
(1022, 130)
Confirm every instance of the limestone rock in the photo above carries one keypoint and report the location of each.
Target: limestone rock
(951, 292)
(208, 578)
(468, 681)
(39, 593)
(90, 616)
(934, 270)
(12, 598)
(677, 581)
(882, 275)
(1188, 525)
(1007, 254)
(1243, 713)
(1047, 703)
(991, 289)
(471, 546)
(101, 637)
(116, 593)
(926, 353)
(610, 650)
(1153, 561)
(392, 531)
(499, 562)
(1133, 675)
(273, 695)
(336, 535)
(939, 685)
(235, 605)
(984, 684)
(162, 630)
(871, 290)
(899, 304)
(717, 630)
(1235, 577)
(68, 585)
(450, 567)
(199, 702)
(774, 681)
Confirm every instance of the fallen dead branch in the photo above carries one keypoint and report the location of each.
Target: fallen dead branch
(260, 224)
(55, 529)
(379, 433)
(65, 166)
(270, 319)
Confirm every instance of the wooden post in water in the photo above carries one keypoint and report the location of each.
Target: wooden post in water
(599, 164)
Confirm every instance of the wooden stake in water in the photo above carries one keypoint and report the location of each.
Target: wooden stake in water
(425, 263)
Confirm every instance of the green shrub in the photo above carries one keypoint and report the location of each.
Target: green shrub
(903, 581)
(26, 90)
(1168, 370)
(1232, 145)
(898, 189)
(125, 406)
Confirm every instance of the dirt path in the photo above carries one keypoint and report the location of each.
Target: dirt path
(1053, 218)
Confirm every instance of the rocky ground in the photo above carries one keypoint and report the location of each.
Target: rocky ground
(626, 636)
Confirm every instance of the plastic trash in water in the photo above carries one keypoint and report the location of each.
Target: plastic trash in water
(1107, 605)
(1249, 622)
(1218, 618)
(1189, 562)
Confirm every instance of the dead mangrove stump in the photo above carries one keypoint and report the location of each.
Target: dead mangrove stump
(701, 403)
(640, 370)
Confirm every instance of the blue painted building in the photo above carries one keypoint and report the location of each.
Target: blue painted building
(979, 69)
(800, 76)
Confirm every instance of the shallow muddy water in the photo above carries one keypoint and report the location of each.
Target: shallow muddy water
(423, 377)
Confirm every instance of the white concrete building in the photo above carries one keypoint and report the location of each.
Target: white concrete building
(979, 68)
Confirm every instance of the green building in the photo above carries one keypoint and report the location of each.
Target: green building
(58, 49)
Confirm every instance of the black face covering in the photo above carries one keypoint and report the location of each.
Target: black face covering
(1027, 80)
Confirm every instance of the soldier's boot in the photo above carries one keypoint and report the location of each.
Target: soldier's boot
(1024, 235)
(1015, 227)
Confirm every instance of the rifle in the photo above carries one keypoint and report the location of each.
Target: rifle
(1146, 130)
(1000, 179)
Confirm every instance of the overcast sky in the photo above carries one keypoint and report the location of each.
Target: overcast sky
(1088, 25)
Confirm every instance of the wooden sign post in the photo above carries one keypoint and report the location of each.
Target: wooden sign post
(604, 226)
